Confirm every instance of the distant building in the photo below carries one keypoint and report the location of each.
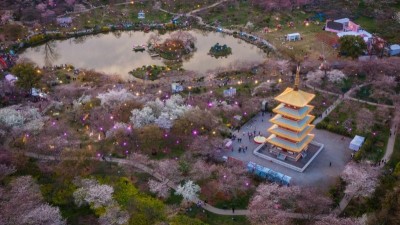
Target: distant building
(345, 27)
(176, 87)
(293, 37)
(64, 21)
(333, 26)
(341, 25)
(230, 92)
(141, 15)
(394, 50)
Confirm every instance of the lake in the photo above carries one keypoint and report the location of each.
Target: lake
(112, 53)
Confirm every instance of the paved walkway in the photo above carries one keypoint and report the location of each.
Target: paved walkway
(239, 212)
(392, 138)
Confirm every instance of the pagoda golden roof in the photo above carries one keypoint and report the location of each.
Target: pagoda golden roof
(294, 97)
(287, 145)
(294, 136)
(293, 113)
(297, 126)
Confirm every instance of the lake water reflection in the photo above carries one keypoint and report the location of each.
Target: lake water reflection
(112, 53)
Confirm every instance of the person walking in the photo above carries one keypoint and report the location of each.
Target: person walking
(233, 209)
(330, 163)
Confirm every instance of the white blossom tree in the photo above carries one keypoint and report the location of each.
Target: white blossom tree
(81, 100)
(189, 191)
(44, 214)
(114, 215)
(115, 97)
(23, 118)
(93, 193)
(22, 203)
(164, 121)
(361, 178)
(6, 170)
(118, 127)
(143, 117)
(161, 113)
(159, 188)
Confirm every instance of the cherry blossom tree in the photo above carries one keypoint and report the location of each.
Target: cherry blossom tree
(81, 101)
(232, 179)
(93, 193)
(6, 170)
(164, 121)
(114, 215)
(115, 97)
(159, 188)
(70, 2)
(202, 170)
(22, 118)
(143, 117)
(168, 168)
(41, 7)
(335, 220)
(118, 127)
(161, 113)
(189, 191)
(266, 206)
(361, 178)
(44, 214)
(22, 203)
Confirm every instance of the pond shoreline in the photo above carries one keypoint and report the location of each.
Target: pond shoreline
(112, 53)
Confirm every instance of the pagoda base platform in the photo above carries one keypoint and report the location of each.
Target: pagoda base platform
(266, 151)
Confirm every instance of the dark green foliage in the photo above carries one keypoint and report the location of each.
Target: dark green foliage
(352, 46)
(28, 76)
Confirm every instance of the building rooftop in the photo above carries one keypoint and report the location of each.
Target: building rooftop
(335, 25)
(294, 97)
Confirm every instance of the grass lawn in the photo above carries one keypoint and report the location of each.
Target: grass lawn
(315, 41)
(352, 118)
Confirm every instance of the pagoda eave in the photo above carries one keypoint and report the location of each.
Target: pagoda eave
(281, 132)
(278, 120)
(285, 111)
(287, 145)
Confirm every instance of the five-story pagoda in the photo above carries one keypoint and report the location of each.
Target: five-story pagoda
(290, 134)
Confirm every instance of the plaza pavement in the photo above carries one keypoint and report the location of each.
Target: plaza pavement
(318, 174)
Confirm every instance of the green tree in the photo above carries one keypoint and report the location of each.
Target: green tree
(352, 46)
(28, 75)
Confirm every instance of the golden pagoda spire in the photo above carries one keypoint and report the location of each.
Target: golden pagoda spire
(297, 79)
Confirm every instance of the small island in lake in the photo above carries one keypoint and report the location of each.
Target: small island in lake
(220, 50)
(179, 45)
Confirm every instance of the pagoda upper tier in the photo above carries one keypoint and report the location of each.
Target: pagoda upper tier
(296, 98)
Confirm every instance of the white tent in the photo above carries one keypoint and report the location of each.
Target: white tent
(356, 143)
(293, 37)
(11, 78)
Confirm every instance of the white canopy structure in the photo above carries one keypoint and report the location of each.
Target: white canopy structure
(356, 143)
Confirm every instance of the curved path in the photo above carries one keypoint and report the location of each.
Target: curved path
(172, 185)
